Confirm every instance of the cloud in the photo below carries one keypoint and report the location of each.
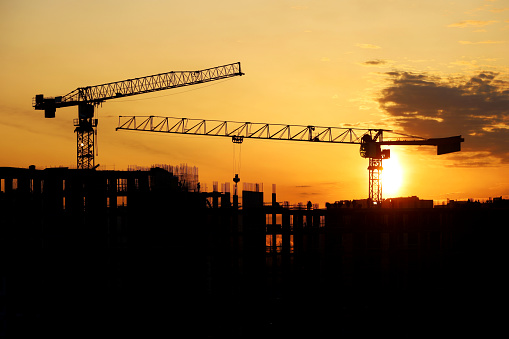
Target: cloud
(374, 62)
(481, 42)
(472, 23)
(465, 63)
(499, 10)
(488, 8)
(432, 106)
(368, 46)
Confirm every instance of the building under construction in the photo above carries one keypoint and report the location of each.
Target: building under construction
(148, 251)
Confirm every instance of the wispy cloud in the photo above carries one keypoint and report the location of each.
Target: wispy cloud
(377, 62)
(465, 63)
(499, 10)
(368, 46)
(481, 42)
(472, 23)
(488, 8)
(472, 159)
(434, 106)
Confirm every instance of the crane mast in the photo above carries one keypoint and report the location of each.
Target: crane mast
(87, 98)
(370, 140)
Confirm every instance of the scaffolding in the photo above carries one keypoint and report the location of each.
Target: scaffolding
(187, 175)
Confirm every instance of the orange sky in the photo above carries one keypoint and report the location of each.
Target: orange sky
(431, 68)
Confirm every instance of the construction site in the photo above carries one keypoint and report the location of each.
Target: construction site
(149, 252)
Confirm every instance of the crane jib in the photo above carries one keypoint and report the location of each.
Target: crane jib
(135, 86)
(152, 83)
(369, 139)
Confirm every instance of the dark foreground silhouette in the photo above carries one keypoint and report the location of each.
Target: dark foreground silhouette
(134, 253)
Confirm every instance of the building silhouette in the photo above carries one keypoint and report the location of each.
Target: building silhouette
(146, 252)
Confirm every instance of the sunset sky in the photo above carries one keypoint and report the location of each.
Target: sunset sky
(430, 68)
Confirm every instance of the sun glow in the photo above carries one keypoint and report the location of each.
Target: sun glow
(392, 176)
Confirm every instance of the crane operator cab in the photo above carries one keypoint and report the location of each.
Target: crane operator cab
(371, 149)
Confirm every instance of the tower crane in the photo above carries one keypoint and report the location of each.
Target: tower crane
(371, 141)
(89, 97)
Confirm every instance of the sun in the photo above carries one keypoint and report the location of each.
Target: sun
(392, 176)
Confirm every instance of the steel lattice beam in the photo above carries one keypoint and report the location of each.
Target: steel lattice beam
(85, 134)
(246, 129)
(152, 83)
(375, 180)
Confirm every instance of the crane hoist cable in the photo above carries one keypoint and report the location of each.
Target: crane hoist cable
(237, 160)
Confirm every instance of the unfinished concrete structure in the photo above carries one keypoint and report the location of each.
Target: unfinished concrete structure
(137, 251)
